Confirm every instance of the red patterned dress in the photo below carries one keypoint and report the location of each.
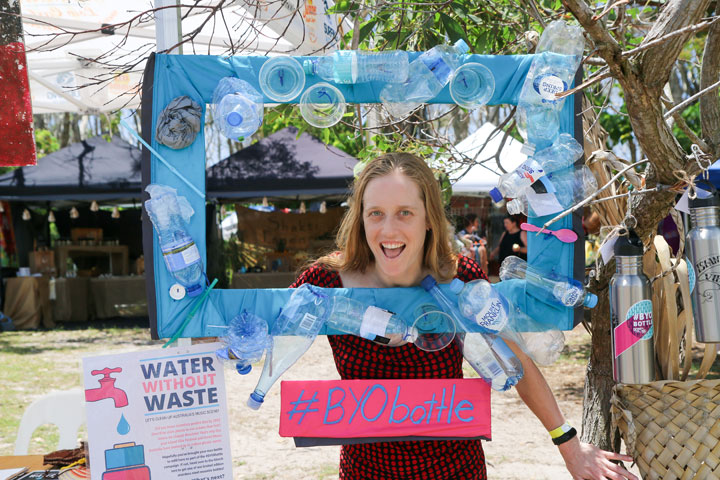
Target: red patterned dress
(358, 358)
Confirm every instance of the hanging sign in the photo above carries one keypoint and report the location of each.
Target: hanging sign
(457, 408)
(158, 414)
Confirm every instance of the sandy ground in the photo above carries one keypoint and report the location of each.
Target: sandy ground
(520, 449)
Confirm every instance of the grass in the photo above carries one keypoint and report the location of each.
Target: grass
(37, 362)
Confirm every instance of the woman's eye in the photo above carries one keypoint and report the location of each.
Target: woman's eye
(374, 213)
(405, 213)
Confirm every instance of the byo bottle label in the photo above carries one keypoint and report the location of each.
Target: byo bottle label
(547, 85)
(638, 325)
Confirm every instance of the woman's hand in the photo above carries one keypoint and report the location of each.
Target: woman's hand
(587, 462)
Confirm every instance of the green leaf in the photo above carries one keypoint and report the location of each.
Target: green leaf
(453, 28)
(366, 28)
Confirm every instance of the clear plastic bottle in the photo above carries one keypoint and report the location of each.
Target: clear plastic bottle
(352, 66)
(237, 108)
(181, 255)
(245, 341)
(294, 331)
(563, 153)
(569, 186)
(489, 309)
(381, 326)
(486, 352)
(555, 289)
(558, 56)
(427, 76)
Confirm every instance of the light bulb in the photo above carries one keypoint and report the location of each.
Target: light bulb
(115, 213)
(94, 206)
(26, 215)
(302, 207)
(74, 213)
(51, 217)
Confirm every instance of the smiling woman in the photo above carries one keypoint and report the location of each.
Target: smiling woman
(394, 233)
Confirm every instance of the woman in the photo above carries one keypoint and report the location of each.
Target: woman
(513, 241)
(473, 241)
(394, 234)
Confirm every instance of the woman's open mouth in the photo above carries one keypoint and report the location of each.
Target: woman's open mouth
(392, 249)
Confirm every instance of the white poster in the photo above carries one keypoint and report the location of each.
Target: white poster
(158, 414)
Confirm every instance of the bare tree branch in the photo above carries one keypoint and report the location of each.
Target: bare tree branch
(710, 104)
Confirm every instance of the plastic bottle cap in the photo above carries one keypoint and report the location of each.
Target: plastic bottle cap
(428, 283)
(309, 66)
(496, 195)
(255, 401)
(456, 285)
(177, 292)
(628, 245)
(591, 300)
(461, 46)
(195, 290)
(234, 119)
(243, 369)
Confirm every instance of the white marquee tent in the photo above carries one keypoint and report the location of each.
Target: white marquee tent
(481, 145)
(58, 66)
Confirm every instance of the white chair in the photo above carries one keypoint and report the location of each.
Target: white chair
(66, 409)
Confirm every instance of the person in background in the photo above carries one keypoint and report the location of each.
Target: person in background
(473, 242)
(393, 234)
(513, 241)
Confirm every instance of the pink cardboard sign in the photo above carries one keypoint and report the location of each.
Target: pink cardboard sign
(385, 408)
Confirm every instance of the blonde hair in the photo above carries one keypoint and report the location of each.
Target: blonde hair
(438, 255)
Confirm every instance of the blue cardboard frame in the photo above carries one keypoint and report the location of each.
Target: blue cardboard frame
(170, 76)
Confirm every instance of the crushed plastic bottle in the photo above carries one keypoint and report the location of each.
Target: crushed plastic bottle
(427, 76)
(555, 289)
(554, 192)
(486, 352)
(489, 309)
(352, 66)
(294, 331)
(367, 321)
(557, 58)
(237, 108)
(169, 215)
(563, 153)
(245, 341)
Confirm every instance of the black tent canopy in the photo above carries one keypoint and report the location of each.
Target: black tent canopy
(93, 169)
(282, 164)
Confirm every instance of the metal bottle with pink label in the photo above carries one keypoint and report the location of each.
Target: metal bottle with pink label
(631, 314)
(703, 254)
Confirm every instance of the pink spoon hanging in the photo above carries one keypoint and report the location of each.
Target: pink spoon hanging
(564, 234)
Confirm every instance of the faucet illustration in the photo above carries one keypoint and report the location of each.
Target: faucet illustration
(107, 388)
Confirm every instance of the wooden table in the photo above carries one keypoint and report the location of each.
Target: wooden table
(33, 462)
(117, 256)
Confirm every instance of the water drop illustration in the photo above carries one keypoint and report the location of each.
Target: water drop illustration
(123, 426)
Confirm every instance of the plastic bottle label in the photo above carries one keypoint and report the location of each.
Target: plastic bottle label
(638, 325)
(493, 315)
(547, 85)
(570, 296)
(374, 322)
(181, 257)
(307, 324)
(530, 169)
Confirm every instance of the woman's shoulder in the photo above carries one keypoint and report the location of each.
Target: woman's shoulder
(319, 275)
(468, 269)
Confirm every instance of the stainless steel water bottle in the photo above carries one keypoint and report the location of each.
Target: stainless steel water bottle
(703, 254)
(631, 314)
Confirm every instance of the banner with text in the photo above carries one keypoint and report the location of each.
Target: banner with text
(158, 414)
(385, 408)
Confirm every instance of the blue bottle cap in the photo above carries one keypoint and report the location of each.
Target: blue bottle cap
(243, 369)
(428, 283)
(195, 290)
(234, 119)
(456, 285)
(255, 401)
(496, 195)
(590, 300)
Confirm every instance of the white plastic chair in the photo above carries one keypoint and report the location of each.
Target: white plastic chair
(66, 409)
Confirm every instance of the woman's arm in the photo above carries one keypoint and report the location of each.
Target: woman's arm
(522, 248)
(496, 250)
(583, 460)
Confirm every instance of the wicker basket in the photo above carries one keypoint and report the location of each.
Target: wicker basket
(671, 428)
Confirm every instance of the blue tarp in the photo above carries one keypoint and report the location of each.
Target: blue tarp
(196, 76)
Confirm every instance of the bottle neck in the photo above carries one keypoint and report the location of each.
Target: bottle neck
(704, 216)
(628, 265)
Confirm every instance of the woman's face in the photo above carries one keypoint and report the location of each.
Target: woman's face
(395, 226)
